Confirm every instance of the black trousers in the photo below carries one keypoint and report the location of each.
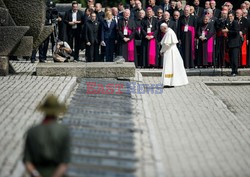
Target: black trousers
(74, 35)
(46, 45)
(92, 52)
(234, 59)
(109, 49)
(41, 53)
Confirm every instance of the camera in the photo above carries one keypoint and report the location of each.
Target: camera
(51, 13)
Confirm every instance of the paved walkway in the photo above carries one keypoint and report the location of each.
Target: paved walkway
(195, 130)
(197, 133)
(19, 95)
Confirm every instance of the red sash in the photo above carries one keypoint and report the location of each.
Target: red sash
(244, 51)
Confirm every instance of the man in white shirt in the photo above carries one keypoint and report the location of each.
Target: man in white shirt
(74, 21)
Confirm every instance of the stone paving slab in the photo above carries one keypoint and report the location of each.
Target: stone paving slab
(20, 94)
(196, 133)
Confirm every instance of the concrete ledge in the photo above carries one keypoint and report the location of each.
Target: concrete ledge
(228, 83)
(197, 72)
(87, 70)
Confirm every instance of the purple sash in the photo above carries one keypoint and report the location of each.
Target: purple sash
(152, 50)
(210, 48)
(131, 47)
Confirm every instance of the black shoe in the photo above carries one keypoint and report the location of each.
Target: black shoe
(42, 61)
(32, 61)
(167, 86)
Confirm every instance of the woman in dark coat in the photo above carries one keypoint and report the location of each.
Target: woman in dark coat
(108, 36)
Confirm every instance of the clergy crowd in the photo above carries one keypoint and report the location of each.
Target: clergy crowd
(208, 36)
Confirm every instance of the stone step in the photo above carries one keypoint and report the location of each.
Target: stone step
(88, 70)
(91, 143)
(198, 72)
(80, 171)
(113, 164)
(105, 123)
(103, 153)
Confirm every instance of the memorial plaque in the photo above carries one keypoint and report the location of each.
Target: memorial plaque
(103, 132)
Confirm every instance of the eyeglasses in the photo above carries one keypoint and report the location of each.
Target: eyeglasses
(160, 12)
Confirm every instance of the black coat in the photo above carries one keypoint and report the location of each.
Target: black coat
(233, 34)
(130, 24)
(165, 8)
(243, 23)
(199, 11)
(92, 32)
(146, 24)
(100, 16)
(108, 33)
(68, 18)
(217, 13)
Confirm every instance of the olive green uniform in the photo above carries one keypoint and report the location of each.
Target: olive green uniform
(47, 146)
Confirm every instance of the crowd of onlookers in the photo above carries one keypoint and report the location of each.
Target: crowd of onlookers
(208, 36)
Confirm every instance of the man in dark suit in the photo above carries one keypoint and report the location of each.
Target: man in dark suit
(166, 6)
(100, 14)
(216, 11)
(234, 42)
(198, 11)
(92, 37)
(176, 17)
(74, 22)
(153, 5)
(179, 7)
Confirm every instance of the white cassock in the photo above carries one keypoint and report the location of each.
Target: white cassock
(174, 73)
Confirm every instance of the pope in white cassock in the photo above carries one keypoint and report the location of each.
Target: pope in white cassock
(174, 73)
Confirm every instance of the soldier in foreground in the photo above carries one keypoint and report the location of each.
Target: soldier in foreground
(47, 146)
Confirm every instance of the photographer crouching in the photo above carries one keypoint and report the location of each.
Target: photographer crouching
(62, 52)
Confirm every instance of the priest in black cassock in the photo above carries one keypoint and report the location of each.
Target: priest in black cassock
(187, 32)
(243, 23)
(138, 37)
(206, 34)
(126, 32)
(221, 52)
(149, 39)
